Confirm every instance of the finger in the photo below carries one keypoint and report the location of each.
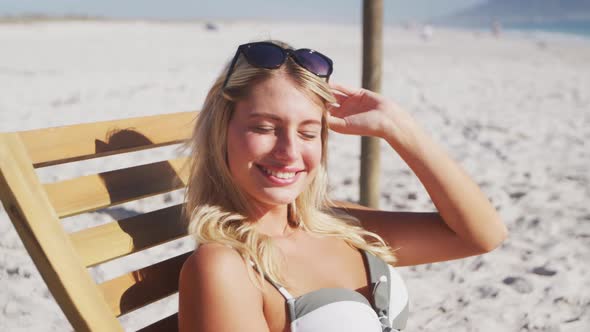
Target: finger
(354, 92)
(341, 112)
(338, 111)
(333, 108)
(347, 90)
(340, 99)
(337, 124)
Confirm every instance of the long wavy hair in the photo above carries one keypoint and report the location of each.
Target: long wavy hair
(218, 210)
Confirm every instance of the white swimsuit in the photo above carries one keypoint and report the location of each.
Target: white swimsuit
(343, 310)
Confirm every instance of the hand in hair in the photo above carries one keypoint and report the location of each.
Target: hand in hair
(471, 224)
(366, 113)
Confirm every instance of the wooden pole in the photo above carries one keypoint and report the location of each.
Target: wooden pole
(372, 61)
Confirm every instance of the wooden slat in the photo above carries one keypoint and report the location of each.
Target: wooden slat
(168, 324)
(50, 248)
(92, 192)
(59, 145)
(142, 287)
(120, 238)
(116, 239)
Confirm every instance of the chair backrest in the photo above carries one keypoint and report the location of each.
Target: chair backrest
(63, 258)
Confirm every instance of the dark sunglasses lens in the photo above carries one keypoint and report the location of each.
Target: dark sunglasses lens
(313, 62)
(264, 55)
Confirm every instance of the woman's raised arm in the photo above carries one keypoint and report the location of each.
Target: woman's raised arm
(466, 223)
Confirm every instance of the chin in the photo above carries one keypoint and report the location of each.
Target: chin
(277, 198)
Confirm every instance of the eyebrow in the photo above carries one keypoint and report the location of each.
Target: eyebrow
(277, 118)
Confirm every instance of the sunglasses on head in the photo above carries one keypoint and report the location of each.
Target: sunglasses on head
(272, 56)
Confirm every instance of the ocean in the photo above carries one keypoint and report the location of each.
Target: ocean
(578, 28)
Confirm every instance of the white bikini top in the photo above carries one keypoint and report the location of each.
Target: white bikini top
(343, 310)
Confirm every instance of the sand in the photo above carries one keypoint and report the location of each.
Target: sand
(512, 110)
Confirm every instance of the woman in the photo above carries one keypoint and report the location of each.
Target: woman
(275, 254)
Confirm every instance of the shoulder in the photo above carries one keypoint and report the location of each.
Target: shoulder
(215, 265)
(213, 258)
(214, 282)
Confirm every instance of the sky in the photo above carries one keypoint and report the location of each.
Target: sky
(300, 10)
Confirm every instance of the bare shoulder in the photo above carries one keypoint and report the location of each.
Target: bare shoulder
(210, 259)
(213, 285)
(217, 266)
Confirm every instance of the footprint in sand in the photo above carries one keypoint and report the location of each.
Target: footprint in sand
(487, 292)
(543, 271)
(519, 284)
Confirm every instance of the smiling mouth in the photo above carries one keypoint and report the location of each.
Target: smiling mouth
(277, 174)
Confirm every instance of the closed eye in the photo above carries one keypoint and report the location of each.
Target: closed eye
(263, 129)
(309, 134)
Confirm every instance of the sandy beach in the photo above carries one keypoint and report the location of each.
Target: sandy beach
(514, 111)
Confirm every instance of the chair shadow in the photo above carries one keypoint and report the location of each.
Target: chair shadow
(151, 283)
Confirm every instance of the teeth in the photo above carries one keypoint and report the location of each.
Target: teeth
(280, 175)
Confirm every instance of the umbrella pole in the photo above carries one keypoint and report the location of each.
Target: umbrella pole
(372, 63)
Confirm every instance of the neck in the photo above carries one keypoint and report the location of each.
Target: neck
(274, 221)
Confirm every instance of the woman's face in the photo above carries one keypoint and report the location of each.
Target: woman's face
(274, 142)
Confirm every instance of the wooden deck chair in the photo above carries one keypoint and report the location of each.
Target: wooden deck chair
(63, 258)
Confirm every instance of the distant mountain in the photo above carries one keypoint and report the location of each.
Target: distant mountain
(519, 12)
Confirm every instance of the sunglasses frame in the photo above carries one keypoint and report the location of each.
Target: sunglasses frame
(287, 52)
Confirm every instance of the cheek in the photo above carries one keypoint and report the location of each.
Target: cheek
(312, 155)
(257, 145)
(244, 147)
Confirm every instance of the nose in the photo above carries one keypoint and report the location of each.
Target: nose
(286, 146)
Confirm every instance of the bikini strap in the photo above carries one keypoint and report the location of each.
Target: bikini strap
(288, 297)
(379, 276)
(280, 288)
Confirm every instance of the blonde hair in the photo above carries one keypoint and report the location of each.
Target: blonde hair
(216, 208)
